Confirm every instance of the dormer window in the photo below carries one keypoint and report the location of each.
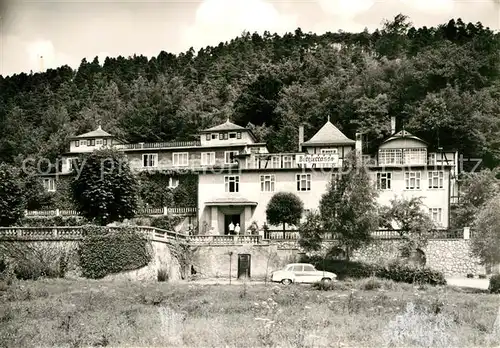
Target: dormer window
(214, 136)
(91, 142)
(77, 143)
(105, 141)
(209, 137)
(99, 141)
(221, 136)
(238, 135)
(232, 135)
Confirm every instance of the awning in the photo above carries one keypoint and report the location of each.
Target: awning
(230, 201)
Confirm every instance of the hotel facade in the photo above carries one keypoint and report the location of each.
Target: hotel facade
(237, 176)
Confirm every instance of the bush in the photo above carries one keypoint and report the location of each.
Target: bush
(162, 275)
(168, 222)
(104, 252)
(494, 287)
(34, 261)
(395, 271)
(408, 274)
(342, 268)
(52, 221)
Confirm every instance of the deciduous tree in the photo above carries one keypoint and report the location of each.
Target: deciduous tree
(311, 232)
(105, 190)
(411, 220)
(12, 200)
(284, 208)
(349, 207)
(486, 235)
(476, 190)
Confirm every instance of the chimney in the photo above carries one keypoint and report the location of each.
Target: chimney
(358, 147)
(393, 124)
(301, 137)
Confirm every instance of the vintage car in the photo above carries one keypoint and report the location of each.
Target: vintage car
(301, 273)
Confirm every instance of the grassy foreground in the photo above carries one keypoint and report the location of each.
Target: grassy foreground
(368, 313)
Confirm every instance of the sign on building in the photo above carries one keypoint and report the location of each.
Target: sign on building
(318, 161)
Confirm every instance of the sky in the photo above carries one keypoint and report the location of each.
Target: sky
(65, 31)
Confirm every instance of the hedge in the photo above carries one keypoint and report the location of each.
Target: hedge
(395, 271)
(52, 221)
(494, 286)
(103, 252)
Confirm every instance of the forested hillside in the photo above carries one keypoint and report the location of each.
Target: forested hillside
(443, 83)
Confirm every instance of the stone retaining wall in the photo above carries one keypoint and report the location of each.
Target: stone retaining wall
(450, 256)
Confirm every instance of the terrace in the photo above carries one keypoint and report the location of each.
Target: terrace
(160, 235)
(161, 145)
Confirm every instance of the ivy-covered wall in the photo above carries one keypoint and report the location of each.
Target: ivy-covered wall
(154, 191)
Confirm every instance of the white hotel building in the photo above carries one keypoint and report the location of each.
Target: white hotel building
(238, 176)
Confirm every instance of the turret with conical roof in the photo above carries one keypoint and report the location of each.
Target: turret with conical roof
(328, 136)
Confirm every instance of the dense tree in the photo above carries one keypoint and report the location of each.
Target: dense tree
(284, 208)
(476, 189)
(486, 237)
(104, 188)
(154, 190)
(311, 232)
(348, 208)
(12, 201)
(413, 223)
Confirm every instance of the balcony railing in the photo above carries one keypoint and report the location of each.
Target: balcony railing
(224, 240)
(140, 212)
(147, 146)
(76, 233)
(379, 234)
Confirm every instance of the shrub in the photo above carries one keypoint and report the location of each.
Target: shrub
(104, 252)
(494, 286)
(339, 286)
(404, 273)
(3, 265)
(52, 221)
(342, 268)
(394, 271)
(470, 275)
(167, 222)
(32, 261)
(162, 275)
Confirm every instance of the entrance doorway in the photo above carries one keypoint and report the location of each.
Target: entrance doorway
(244, 264)
(228, 218)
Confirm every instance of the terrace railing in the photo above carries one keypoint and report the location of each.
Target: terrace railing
(144, 211)
(76, 233)
(159, 145)
(379, 234)
(224, 239)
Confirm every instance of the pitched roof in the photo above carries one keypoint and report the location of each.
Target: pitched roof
(226, 126)
(94, 134)
(403, 134)
(328, 135)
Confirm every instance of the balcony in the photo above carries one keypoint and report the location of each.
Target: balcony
(150, 146)
(293, 160)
